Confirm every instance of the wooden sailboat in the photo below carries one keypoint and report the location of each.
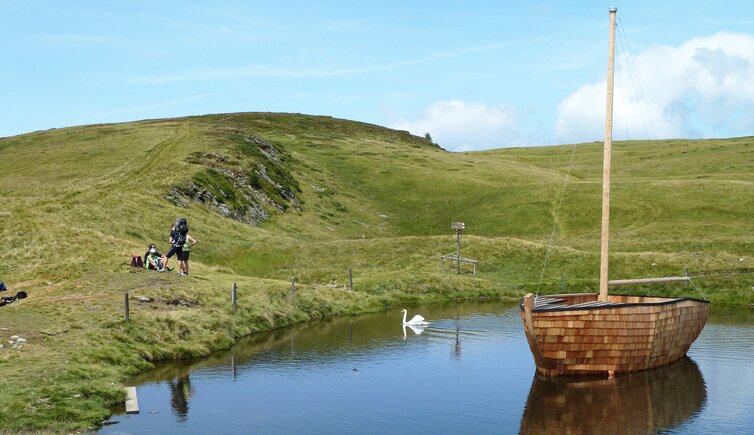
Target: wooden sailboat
(590, 333)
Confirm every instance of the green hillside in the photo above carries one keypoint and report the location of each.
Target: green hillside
(271, 195)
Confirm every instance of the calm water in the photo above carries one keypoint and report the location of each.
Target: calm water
(470, 371)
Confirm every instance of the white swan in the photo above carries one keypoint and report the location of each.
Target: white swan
(417, 320)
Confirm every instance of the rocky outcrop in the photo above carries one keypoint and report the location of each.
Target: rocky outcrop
(245, 187)
(251, 213)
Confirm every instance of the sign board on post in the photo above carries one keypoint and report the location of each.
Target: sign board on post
(457, 225)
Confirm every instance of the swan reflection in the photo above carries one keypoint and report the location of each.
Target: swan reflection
(642, 402)
(416, 329)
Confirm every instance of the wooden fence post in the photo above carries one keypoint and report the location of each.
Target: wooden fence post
(128, 317)
(350, 278)
(233, 297)
(293, 289)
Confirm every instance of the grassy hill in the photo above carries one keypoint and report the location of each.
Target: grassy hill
(271, 195)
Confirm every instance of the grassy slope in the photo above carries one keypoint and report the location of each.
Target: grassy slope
(78, 201)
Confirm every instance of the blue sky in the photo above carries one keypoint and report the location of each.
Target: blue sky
(475, 75)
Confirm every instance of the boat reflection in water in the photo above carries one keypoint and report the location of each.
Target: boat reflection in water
(641, 402)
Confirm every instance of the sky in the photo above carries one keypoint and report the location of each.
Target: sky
(475, 75)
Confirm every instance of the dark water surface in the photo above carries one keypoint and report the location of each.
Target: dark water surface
(470, 371)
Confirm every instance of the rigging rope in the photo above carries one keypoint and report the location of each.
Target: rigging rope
(624, 115)
(555, 222)
(631, 66)
(697, 288)
(624, 108)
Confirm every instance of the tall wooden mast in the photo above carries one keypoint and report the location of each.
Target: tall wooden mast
(606, 159)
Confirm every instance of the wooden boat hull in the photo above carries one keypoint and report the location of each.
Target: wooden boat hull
(578, 336)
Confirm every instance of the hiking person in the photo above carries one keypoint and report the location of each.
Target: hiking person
(178, 232)
(183, 257)
(174, 249)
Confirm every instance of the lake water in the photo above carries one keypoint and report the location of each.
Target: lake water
(470, 371)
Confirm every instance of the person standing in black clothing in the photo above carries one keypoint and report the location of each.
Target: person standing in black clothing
(175, 248)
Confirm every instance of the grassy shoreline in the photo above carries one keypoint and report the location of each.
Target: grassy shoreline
(69, 385)
(75, 363)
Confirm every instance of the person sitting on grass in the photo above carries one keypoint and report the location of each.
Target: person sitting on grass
(152, 249)
(154, 260)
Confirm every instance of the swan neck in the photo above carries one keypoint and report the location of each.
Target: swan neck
(404, 316)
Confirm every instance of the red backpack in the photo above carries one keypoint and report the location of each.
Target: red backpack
(136, 261)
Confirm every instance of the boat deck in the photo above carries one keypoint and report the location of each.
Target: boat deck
(590, 301)
(546, 302)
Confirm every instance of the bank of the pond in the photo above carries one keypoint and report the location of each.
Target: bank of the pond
(66, 377)
(80, 350)
(472, 366)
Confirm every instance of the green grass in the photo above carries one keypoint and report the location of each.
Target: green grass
(77, 202)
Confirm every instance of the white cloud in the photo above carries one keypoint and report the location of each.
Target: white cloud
(702, 88)
(463, 126)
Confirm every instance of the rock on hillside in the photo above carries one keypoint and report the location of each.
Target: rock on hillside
(246, 185)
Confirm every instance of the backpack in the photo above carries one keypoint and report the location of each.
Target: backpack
(181, 230)
(136, 261)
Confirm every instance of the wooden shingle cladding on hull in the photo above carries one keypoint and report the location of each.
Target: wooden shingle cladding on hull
(629, 333)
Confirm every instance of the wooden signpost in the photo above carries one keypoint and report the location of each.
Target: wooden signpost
(458, 227)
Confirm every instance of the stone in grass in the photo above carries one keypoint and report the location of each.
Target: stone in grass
(16, 341)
